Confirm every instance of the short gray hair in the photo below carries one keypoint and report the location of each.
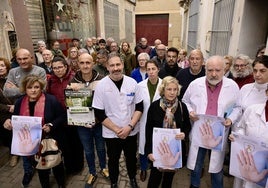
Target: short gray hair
(41, 42)
(145, 55)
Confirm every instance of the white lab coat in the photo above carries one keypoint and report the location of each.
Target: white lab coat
(253, 123)
(195, 98)
(144, 92)
(119, 106)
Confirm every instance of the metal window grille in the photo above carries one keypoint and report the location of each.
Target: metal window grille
(193, 25)
(111, 20)
(128, 25)
(221, 27)
(36, 20)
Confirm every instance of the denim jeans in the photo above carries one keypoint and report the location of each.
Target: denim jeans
(28, 164)
(143, 162)
(216, 178)
(88, 136)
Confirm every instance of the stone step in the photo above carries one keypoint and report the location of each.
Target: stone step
(4, 155)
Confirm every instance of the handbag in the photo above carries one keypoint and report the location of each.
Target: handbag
(49, 154)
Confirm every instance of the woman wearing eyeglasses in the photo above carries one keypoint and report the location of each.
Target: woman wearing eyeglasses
(72, 147)
(72, 58)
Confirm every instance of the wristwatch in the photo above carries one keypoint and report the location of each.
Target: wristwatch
(50, 124)
(131, 126)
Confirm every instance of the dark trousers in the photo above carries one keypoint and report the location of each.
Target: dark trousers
(156, 177)
(73, 151)
(5, 136)
(114, 149)
(58, 172)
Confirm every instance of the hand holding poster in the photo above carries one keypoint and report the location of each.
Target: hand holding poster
(166, 149)
(27, 132)
(79, 110)
(209, 132)
(249, 159)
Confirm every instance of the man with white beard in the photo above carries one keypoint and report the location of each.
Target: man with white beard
(212, 94)
(242, 70)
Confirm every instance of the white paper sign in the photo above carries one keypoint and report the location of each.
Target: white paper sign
(209, 132)
(249, 159)
(166, 149)
(27, 132)
(79, 110)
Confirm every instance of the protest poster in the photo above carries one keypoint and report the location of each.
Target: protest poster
(166, 149)
(79, 107)
(209, 132)
(27, 132)
(249, 159)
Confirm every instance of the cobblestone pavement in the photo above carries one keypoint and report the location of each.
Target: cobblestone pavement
(11, 177)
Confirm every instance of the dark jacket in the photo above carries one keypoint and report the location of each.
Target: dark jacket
(155, 118)
(185, 77)
(53, 113)
(78, 77)
(129, 61)
(168, 71)
(4, 101)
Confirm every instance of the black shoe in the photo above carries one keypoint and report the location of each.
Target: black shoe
(202, 172)
(193, 186)
(27, 179)
(143, 175)
(114, 185)
(133, 183)
(226, 173)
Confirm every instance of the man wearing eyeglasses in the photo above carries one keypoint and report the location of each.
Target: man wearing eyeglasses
(242, 70)
(101, 62)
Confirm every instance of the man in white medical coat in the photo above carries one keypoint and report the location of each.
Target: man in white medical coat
(118, 106)
(215, 95)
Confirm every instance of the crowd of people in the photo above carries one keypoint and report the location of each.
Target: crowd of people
(133, 92)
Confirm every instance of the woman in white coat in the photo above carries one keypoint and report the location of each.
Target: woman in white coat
(253, 93)
(149, 92)
(254, 124)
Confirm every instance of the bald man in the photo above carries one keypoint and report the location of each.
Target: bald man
(16, 75)
(86, 79)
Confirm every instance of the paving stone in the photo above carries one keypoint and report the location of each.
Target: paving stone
(12, 177)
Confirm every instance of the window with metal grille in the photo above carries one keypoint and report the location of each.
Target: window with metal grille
(111, 20)
(36, 20)
(193, 25)
(221, 27)
(128, 25)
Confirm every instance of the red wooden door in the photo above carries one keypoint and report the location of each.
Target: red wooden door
(152, 27)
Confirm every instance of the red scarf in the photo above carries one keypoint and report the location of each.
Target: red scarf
(266, 111)
(38, 109)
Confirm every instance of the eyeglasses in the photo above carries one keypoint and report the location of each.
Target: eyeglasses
(73, 51)
(142, 60)
(241, 66)
(99, 57)
(58, 68)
